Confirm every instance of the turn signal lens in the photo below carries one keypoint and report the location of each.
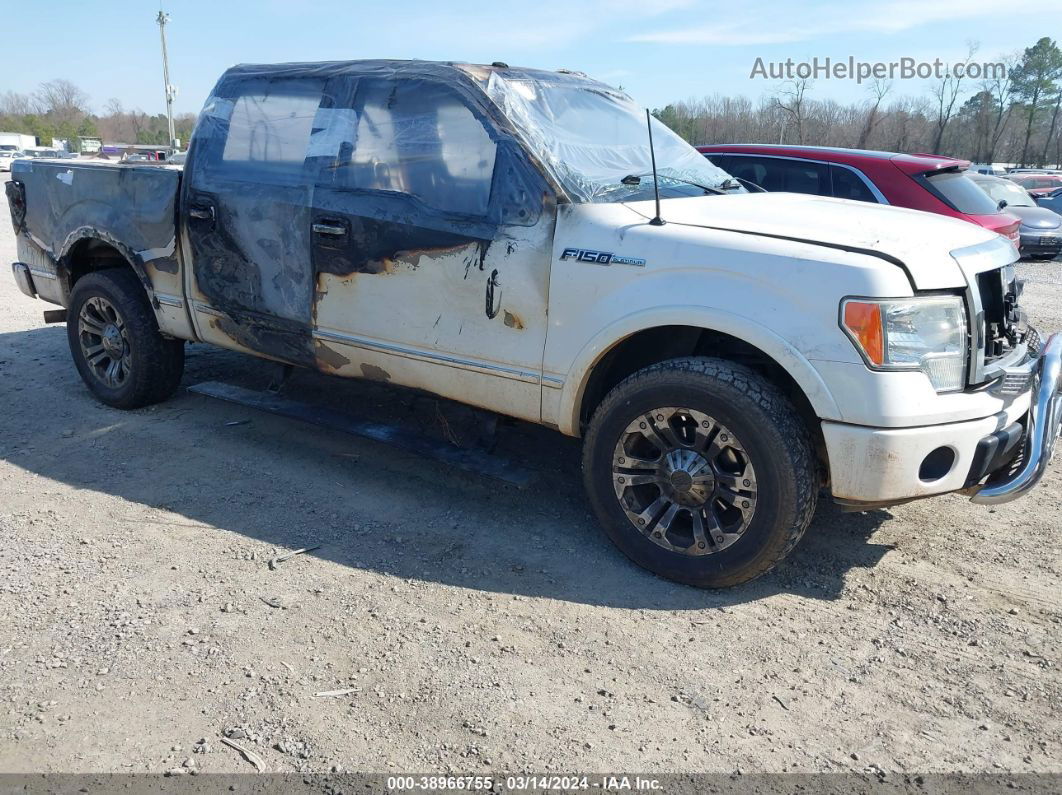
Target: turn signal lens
(863, 321)
(927, 333)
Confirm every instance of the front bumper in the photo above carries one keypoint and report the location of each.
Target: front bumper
(1042, 427)
(881, 466)
(1036, 244)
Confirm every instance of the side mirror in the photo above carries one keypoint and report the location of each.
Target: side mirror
(1002, 204)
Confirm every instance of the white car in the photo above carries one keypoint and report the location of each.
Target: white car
(7, 156)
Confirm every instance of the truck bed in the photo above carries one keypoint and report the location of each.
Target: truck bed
(131, 207)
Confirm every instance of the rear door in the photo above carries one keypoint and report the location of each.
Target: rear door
(247, 207)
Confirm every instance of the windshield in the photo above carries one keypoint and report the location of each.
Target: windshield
(1002, 190)
(591, 137)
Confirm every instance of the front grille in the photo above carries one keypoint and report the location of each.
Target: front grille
(1003, 322)
(1014, 383)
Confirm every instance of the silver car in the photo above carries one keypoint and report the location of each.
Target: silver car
(1041, 228)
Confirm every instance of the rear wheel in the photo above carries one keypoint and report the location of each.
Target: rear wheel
(116, 344)
(701, 471)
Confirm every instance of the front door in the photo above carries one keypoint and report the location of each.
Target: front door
(431, 239)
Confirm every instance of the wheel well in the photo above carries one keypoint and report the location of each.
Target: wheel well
(91, 254)
(672, 342)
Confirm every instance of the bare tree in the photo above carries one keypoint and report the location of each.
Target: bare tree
(791, 101)
(878, 90)
(946, 94)
(1001, 89)
(14, 104)
(1053, 127)
(63, 101)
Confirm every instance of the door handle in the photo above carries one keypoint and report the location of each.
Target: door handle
(202, 212)
(333, 229)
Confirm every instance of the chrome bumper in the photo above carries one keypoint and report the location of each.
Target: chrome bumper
(23, 279)
(1043, 425)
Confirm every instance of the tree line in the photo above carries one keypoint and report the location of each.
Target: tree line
(59, 109)
(1012, 118)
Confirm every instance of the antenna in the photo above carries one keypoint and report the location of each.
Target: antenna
(657, 220)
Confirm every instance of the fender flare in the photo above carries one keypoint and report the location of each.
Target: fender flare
(759, 336)
(96, 233)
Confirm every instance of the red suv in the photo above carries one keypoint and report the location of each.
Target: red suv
(933, 183)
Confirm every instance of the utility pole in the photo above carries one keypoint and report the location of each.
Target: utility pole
(171, 90)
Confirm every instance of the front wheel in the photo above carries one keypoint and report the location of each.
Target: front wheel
(116, 344)
(701, 471)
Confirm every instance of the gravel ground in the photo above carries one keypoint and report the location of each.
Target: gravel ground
(468, 626)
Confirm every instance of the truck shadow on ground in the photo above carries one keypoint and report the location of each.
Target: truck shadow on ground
(290, 485)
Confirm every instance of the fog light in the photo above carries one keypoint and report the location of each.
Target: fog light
(936, 465)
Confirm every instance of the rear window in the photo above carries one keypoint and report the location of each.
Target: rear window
(272, 129)
(1037, 182)
(962, 193)
(849, 185)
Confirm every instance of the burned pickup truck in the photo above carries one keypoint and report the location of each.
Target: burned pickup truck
(516, 240)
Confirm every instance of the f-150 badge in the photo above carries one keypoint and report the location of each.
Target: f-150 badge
(599, 257)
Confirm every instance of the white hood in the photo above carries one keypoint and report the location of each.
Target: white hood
(927, 244)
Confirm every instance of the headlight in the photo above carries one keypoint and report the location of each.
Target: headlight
(926, 334)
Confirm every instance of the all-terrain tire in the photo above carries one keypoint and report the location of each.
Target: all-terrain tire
(771, 433)
(152, 365)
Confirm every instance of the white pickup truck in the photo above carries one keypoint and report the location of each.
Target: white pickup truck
(489, 234)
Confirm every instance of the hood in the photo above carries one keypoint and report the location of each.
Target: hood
(1036, 217)
(923, 242)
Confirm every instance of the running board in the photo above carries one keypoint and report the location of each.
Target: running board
(476, 461)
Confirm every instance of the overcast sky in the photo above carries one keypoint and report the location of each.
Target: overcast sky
(659, 50)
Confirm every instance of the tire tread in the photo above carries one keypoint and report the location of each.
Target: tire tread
(797, 447)
(164, 357)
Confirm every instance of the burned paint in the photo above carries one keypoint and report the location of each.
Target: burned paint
(279, 339)
(168, 265)
(477, 259)
(492, 288)
(251, 254)
(374, 373)
(373, 246)
(513, 321)
(328, 358)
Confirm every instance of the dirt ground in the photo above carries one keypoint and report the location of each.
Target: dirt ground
(475, 627)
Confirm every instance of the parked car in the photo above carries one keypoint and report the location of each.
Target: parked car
(1041, 228)
(1037, 184)
(7, 157)
(931, 183)
(1052, 201)
(468, 231)
(994, 169)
